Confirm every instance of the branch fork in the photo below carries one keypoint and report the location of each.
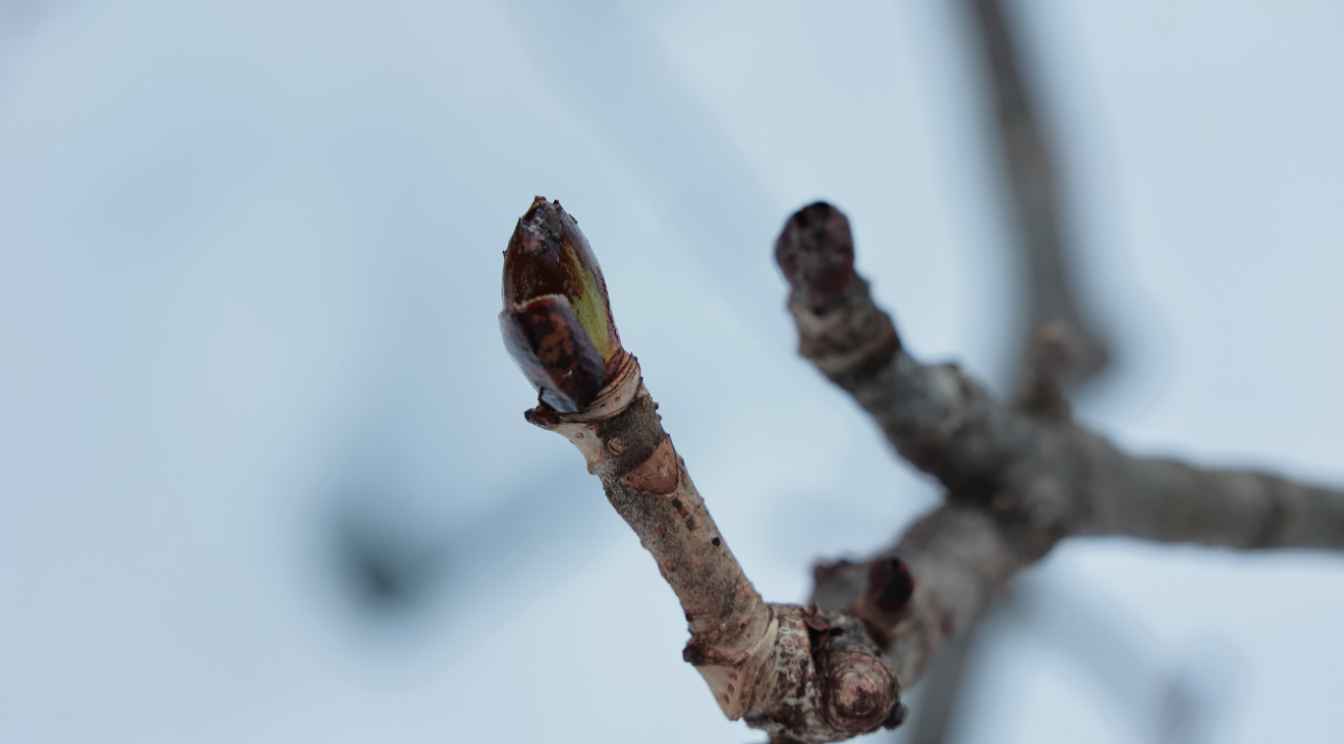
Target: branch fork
(1018, 477)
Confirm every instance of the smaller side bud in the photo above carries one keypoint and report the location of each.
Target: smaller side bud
(890, 584)
(815, 250)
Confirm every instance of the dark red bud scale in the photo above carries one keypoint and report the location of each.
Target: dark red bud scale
(557, 320)
(563, 365)
(815, 250)
(890, 584)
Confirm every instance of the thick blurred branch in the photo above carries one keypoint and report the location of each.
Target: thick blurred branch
(1039, 469)
(1033, 475)
(1019, 478)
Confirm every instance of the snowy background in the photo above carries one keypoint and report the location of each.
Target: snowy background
(265, 474)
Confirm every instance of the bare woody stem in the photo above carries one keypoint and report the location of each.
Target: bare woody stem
(1018, 479)
(623, 441)
(800, 674)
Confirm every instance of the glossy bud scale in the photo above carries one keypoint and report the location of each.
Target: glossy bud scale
(556, 319)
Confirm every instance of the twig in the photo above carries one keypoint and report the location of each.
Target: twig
(1018, 480)
(798, 673)
(1042, 472)
(1032, 187)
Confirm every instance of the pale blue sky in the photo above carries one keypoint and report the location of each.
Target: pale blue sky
(252, 252)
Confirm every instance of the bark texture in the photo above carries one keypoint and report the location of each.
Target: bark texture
(798, 673)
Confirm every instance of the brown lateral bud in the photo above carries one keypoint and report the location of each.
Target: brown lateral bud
(556, 319)
(815, 250)
(890, 585)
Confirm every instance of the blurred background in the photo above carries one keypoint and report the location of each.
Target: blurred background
(266, 476)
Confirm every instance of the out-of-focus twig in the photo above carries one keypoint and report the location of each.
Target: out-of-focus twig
(943, 689)
(1017, 479)
(1104, 645)
(1042, 466)
(1061, 346)
(1033, 188)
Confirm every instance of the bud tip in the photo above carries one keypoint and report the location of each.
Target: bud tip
(815, 250)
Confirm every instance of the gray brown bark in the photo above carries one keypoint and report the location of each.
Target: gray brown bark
(1018, 477)
(1030, 462)
(798, 673)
